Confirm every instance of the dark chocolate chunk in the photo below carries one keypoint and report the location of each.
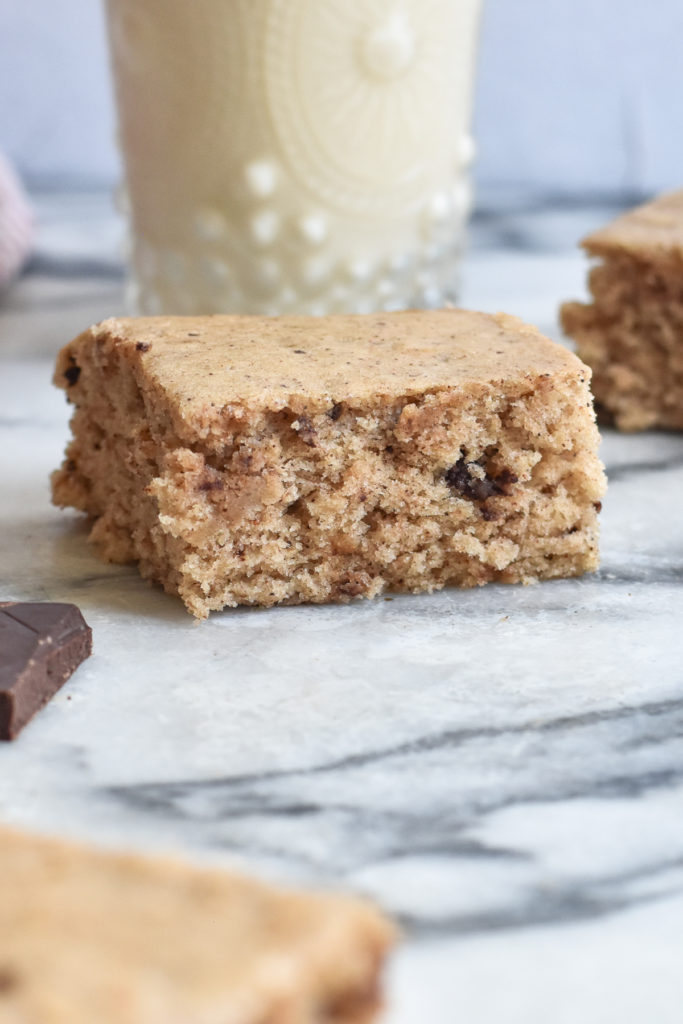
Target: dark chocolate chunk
(142, 346)
(336, 411)
(459, 479)
(72, 372)
(40, 646)
(462, 479)
(505, 479)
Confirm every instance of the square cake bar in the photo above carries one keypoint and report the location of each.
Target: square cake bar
(631, 334)
(254, 460)
(88, 937)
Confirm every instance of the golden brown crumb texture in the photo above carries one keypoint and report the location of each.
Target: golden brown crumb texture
(631, 334)
(248, 460)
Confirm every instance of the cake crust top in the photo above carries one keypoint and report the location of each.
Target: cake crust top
(213, 362)
(655, 228)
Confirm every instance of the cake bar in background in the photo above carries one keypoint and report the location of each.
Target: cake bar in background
(631, 334)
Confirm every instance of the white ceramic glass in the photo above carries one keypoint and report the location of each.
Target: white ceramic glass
(294, 155)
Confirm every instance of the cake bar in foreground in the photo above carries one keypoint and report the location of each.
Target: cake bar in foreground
(255, 460)
(88, 937)
(632, 332)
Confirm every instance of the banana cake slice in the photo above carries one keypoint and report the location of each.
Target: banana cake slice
(631, 333)
(88, 937)
(254, 460)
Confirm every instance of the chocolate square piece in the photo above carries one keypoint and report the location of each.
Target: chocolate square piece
(631, 334)
(41, 644)
(256, 460)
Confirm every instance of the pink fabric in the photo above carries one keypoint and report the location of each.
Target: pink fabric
(16, 225)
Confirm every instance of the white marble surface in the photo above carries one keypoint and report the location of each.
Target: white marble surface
(501, 768)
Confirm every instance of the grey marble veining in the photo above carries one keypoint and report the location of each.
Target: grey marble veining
(502, 769)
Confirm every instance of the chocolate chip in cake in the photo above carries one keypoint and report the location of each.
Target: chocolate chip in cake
(462, 477)
(72, 373)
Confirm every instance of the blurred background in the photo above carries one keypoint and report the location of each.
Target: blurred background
(574, 97)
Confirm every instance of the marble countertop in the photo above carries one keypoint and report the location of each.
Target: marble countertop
(502, 769)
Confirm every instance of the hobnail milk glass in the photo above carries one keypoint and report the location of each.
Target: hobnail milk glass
(305, 156)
